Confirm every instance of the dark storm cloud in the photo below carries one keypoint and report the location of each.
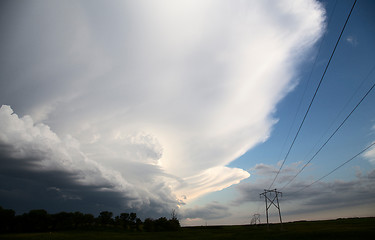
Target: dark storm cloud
(24, 186)
(40, 170)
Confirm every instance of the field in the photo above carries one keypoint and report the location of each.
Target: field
(355, 228)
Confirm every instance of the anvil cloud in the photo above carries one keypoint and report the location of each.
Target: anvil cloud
(142, 104)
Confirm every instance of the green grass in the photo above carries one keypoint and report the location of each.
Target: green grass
(356, 228)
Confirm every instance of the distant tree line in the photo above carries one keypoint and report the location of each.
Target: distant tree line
(41, 221)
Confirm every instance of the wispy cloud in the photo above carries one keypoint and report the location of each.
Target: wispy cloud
(352, 40)
(370, 154)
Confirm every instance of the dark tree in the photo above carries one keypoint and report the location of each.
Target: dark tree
(105, 218)
(133, 221)
(148, 225)
(138, 223)
(161, 224)
(89, 219)
(38, 220)
(7, 219)
(62, 221)
(174, 223)
(41, 221)
(174, 215)
(132, 217)
(125, 220)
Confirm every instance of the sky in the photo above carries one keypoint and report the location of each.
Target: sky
(149, 106)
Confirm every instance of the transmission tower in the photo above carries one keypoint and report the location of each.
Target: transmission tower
(270, 196)
(255, 219)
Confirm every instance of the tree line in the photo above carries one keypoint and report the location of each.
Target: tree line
(41, 221)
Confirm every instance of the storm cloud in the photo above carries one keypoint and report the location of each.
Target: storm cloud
(141, 104)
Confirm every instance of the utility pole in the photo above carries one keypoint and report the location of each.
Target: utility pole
(255, 219)
(270, 196)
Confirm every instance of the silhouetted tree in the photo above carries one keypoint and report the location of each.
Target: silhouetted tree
(133, 221)
(7, 219)
(138, 223)
(174, 223)
(89, 219)
(161, 224)
(132, 217)
(105, 218)
(174, 215)
(148, 225)
(62, 221)
(125, 220)
(38, 220)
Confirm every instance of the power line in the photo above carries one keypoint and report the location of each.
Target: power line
(364, 150)
(341, 111)
(313, 98)
(337, 129)
(308, 82)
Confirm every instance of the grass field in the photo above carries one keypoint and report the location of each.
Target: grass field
(356, 228)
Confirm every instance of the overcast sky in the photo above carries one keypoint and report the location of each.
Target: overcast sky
(149, 106)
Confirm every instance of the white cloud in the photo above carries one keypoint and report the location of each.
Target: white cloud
(176, 89)
(211, 180)
(352, 40)
(370, 155)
